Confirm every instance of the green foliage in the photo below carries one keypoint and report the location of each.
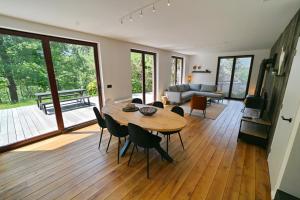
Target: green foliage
(23, 69)
(92, 88)
(136, 72)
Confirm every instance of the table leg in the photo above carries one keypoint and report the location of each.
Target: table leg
(163, 153)
(125, 148)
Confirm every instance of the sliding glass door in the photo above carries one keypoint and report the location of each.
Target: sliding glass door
(23, 73)
(233, 75)
(143, 75)
(47, 84)
(75, 73)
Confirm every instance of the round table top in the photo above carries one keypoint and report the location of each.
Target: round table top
(163, 120)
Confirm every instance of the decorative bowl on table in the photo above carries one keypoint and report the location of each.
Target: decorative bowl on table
(130, 108)
(148, 111)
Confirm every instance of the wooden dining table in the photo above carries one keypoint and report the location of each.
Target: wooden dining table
(162, 121)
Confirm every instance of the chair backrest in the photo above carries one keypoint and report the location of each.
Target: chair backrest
(178, 110)
(158, 104)
(137, 100)
(198, 102)
(100, 120)
(113, 126)
(140, 136)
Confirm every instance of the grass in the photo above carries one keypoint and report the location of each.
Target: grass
(19, 104)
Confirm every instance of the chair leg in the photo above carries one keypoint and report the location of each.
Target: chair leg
(191, 111)
(108, 143)
(181, 140)
(119, 150)
(204, 113)
(167, 143)
(134, 146)
(147, 162)
(100, 138)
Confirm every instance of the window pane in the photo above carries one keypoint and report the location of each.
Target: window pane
(224, 77)
(173, 71)
(179, 72)
(75, 74)
(240, 80)
(149, 78)
(136, 75)
(23, 76)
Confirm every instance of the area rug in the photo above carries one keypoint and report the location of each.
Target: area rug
(212, 111)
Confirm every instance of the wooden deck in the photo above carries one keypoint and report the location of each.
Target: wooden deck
(70, 166)
(21, 123)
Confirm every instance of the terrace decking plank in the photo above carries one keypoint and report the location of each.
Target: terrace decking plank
(26, 122)
(4, 135)
(18, 128)
(3, 130)
(12, 137)
(26, 130)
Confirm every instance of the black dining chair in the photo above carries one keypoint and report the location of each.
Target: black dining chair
(142, 138)
(178, 110)
(101, 123)
(158, 104)
(137, 100)
(116, 130)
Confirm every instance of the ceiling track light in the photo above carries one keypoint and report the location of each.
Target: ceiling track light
(153, 8)
(140, 11)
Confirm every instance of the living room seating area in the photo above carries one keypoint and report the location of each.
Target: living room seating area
(179, 94)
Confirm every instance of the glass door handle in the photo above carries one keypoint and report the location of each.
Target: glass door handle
(287, 119)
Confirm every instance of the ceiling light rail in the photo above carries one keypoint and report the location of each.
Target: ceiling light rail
(140, 11)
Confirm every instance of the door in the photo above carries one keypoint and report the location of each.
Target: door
(76, 80)
(285, 131)
(233, 75)
(176, 70)
(143, 75)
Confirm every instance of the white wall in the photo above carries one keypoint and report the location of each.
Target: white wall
(291, 177)
(210, 62)
(114, 56)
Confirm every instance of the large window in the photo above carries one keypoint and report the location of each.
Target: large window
(177, 70)
(46, 85)
(233, 75)
(143, 75)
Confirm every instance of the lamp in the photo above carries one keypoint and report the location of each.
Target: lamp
(189, 78)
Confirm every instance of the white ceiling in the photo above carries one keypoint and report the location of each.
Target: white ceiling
(187, 26)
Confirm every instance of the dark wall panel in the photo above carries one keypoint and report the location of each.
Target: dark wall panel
(276, 85)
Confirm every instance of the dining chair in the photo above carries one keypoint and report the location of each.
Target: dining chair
(178, 110)
(200, 103)
(142, 138)
(158, 104)
(101, 123)
(116, 130)
(137, 100)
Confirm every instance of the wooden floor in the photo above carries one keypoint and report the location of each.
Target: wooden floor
(212, 166)
(17, 124)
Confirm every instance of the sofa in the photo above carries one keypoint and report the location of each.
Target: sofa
(179, 94)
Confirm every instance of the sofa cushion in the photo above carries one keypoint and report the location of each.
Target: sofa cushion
(187, 94)
(186, 87)
(208, 88)
(173, 88)
(195, 87)
(209, 94)
(181, 88)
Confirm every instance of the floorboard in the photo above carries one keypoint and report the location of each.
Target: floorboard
(213, 165)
